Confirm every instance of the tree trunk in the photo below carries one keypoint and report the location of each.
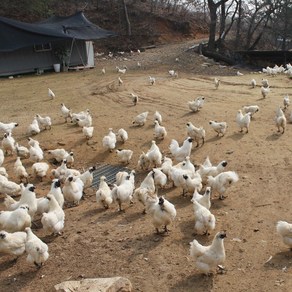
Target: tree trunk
(129, 31)
(212, 27)
(238, 25)
(213, 22)
(285, 30)
(226, 31)
(222, 20)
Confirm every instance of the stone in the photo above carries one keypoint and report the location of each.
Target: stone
(114, 284)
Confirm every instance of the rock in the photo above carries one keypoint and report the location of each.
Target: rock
(96, 285)
(61, 143)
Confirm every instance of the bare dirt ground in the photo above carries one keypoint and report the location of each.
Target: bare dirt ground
(106, 243)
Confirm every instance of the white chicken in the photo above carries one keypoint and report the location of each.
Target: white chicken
(8, 187)
(190, 184)
(265, 91)
(3, 172)
(40, 169)
(180, 153)
(121, 70)
(37, 251)
(176, 177)
(103, 194)
(53, 220)
(51, 94)
(124, 155)
(86, 121)
(157, 117)
(44, 122)
(286, 101)
(187, 166)
(34, 127)
(87, 177)
(154, 155)
(222, 181)
(143, 162)
(21, 151)
(8, 127)
(27, 197)
(2, 157)
(160, 178)
(59, 154)
(57, 192)
(140, 119)
(73, 190)
(204, 220)
(70, 159)
(43, 202)
(123, 193)
(147, 186)
(252, 109)
(20, 171)
(159, 131)
(66, 112)
(207, 258)
(284, 229)
(207, 169)
(122, 175)
(216, 82)
(109, 141)
(196, 104)
(80, 116)
(173, 73)
(36, 153)
(166, 166)
(15, 220)
(122, 135)
(198, 134)
(280, 120)
(120, 81)
(253, 83)
(243, 120)
(12, 243)
(8, 144)
(265, 83)
(162, 212)
(88, 132)
(135, 98)
(152, 80)
(60, 171)
(205, 199)
(219, 127)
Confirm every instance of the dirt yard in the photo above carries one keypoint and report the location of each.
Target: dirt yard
(106, 243)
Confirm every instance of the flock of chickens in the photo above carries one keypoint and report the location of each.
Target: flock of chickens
(68, 184)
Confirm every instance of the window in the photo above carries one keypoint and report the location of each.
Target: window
(43, 47)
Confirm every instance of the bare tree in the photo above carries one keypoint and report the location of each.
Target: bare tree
(238, 24)
(231, 13)
(258, 22)
(128, 23)
(213, 7)
(282, 23)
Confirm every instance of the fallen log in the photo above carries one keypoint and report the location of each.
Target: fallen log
(218, 57)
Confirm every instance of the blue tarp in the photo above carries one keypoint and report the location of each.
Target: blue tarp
(16, 34)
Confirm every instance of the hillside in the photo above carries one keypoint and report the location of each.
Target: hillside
(148, 26)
